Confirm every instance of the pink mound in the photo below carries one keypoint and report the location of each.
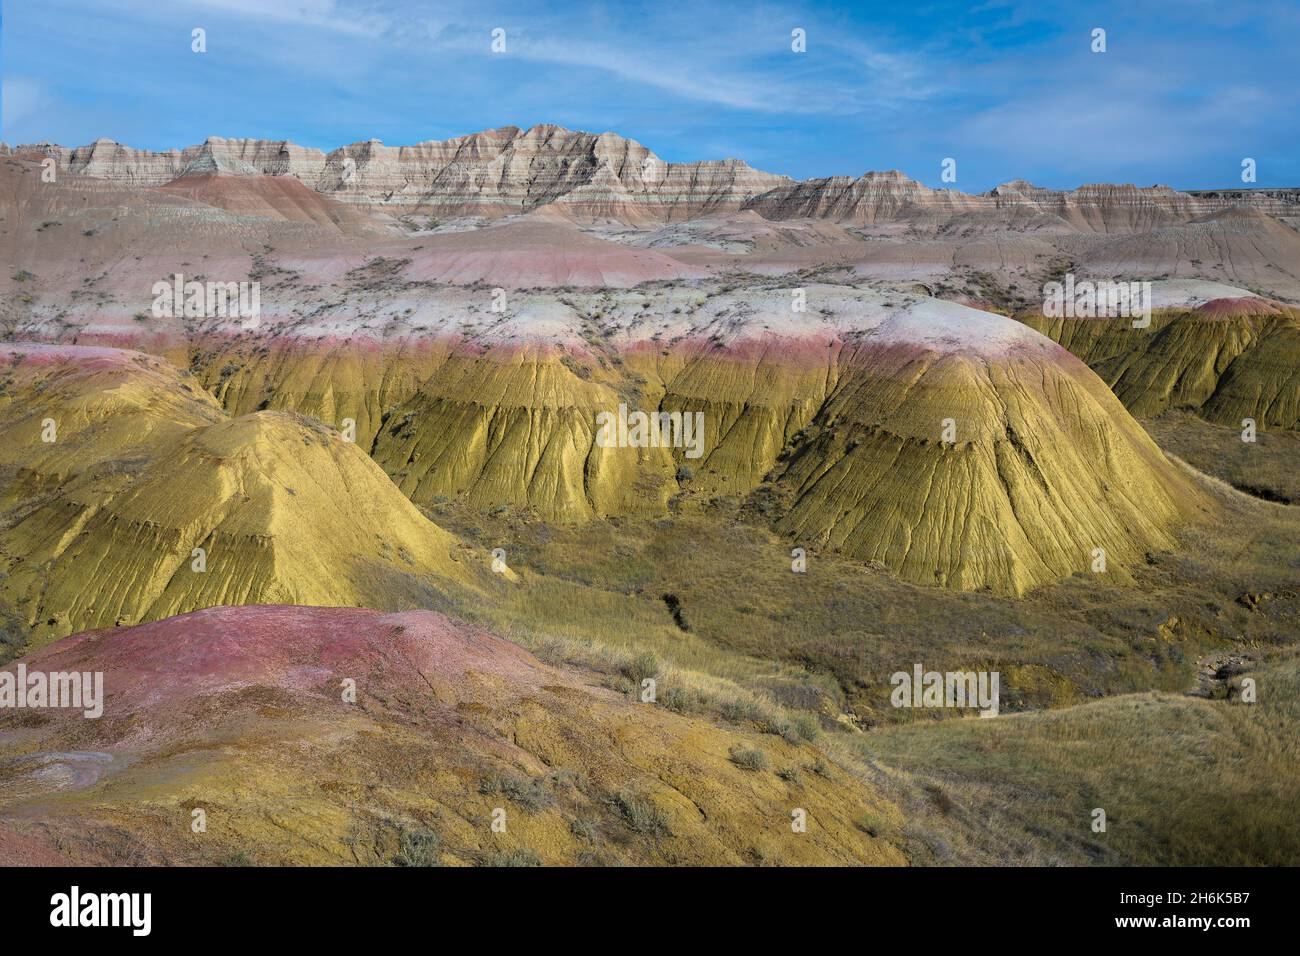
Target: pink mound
(294, 648)
(540, 253)
(18, 850)
(1237, 308)
(972, 303)
(89, 357)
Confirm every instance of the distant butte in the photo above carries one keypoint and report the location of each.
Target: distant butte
(590, 177)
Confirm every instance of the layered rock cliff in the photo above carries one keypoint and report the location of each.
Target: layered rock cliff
(870, 198)
(1095, 208)
(493, 173)
(1105, 207)
(593, 177)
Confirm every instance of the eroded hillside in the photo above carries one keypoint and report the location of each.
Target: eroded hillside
(132, 498)
(244, 714)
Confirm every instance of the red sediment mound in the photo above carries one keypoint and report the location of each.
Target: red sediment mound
(1238, 308)
(291, 647)
(18, 850)
(540, 254)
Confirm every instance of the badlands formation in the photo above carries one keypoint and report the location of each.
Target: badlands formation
(241, 712)
(504, 171)
(468, 334)
(440, 329)
(151, 501)
(494, 173)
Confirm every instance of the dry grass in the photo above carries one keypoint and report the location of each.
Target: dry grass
(1265, 468)
(826, 641)
(1183, 780)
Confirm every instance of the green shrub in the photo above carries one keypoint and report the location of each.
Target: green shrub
(520, 857)
(532, 795)
(418, 847)
(869, 824)
(749, 758)
(642, 665)
(584, 830)
(641, 815)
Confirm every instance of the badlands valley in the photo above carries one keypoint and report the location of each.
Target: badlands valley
(526, 499)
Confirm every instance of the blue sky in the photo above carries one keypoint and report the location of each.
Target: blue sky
(1184, 91)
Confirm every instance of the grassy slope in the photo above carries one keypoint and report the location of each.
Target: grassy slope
(1265, 468)
(843, 627)
(1183, 780)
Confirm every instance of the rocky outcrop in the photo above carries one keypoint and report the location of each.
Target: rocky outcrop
(871, 198)
(1105, 207)
(591, 177)
(494, 173)
(1279, 203)
(1100, 208)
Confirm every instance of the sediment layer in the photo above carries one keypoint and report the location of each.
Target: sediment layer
(340, 735)
(145, 502)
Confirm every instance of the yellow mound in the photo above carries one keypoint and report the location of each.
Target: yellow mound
(331, 381)
(518, 427)
(1045, 468)
(839, 417)
(1228, 368)
(94, 405)
(269, 507)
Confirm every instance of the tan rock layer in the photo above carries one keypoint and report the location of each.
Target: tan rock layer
(494, 173)
(591, 177)
(1101, 208)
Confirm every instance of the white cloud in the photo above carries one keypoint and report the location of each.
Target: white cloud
(703, 54)
(321, 14)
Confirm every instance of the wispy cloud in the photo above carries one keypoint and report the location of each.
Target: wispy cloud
(347, 18)
(1008, 87)
(705, 54)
